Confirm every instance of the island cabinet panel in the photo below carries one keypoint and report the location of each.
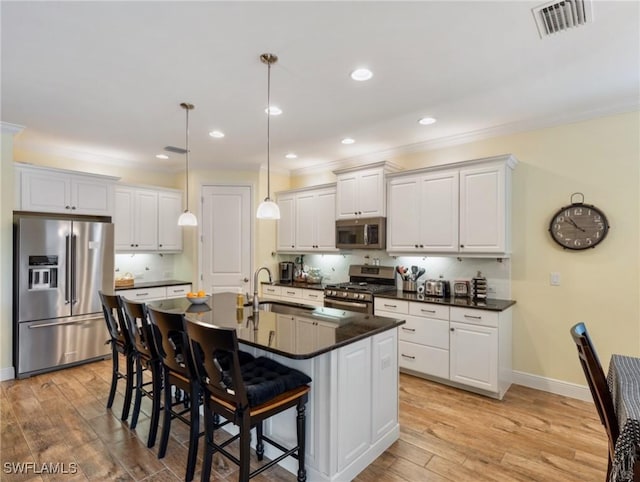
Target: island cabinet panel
(354, 400)
(384, 409)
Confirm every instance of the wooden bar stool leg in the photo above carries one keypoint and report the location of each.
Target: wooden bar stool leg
(138, 397)
(245, 446)
(301, 432)
(129, 388)
(259, 442)
(166, 419)
(115, 369)
(194, 431)
(156, 373)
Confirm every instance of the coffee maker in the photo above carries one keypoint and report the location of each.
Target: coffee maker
(286, 272)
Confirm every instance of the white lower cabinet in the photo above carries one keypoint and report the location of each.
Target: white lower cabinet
(155, 293)
(471, 348)
(293, 295)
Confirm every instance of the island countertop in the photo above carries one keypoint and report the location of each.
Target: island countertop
(288, 329)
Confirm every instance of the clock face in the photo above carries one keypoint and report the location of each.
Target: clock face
(578, 226)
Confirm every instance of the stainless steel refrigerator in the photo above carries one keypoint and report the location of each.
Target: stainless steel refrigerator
(60, 263)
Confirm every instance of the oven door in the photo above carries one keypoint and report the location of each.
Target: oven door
(357, 306)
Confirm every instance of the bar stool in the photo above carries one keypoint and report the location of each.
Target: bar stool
(121, 343)
(245, 395)
(178, 372)
(146, 359)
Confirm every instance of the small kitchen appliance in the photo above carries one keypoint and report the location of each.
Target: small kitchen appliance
(361, 233)
(479, 287)
(442, 288)
(357, 294)
(286, 272)
(461, 289)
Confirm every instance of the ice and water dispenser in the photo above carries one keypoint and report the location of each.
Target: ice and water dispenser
(43, 272)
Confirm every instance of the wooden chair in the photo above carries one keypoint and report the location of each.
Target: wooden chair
(597, 382)
(232, 390)
(147, 358)
(178, 372)
(121, 343)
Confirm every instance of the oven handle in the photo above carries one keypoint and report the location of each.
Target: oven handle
(346, 304)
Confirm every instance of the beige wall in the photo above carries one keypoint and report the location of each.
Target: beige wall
(600, 158)
(6, 255)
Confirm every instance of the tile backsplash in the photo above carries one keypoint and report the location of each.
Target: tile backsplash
(335, 267)
(145, 266)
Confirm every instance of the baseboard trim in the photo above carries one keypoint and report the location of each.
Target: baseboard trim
(7, 373)
(559, 387)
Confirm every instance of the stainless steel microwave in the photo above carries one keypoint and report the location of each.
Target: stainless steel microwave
(361, 233)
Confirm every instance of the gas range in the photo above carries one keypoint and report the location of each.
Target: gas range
(357, 293)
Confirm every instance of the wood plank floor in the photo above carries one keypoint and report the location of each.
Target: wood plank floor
(446, 435)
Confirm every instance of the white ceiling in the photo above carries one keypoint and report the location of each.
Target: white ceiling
(103, 81)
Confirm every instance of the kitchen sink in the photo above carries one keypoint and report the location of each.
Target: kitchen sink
(283, 308)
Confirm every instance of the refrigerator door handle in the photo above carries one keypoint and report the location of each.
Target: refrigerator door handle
(74, 263)
(67, 277)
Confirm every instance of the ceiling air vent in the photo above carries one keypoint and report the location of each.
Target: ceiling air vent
(554, 17)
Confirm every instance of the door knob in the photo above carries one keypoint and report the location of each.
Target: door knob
(246, 280)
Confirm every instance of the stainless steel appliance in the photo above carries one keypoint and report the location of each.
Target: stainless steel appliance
(60, 263)
(437, 287)
(357, 294)
(362, 233)
(286, 272)
(461, 288)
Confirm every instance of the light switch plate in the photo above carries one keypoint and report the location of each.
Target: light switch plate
(554, 278)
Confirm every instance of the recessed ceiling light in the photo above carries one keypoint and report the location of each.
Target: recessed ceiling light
(347, 140)
(361, 74)
(291, 155)
(273, 110)
(216, 134)
(162, 156)
(425, 121)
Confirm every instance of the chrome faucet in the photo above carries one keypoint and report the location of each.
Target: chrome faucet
(256, 304)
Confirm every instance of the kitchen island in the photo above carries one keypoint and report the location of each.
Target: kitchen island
(352, 358)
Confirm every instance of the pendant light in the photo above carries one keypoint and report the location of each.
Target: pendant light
(187, 218)
(267, 208)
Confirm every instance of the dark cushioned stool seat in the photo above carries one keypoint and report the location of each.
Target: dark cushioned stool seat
(265, 379)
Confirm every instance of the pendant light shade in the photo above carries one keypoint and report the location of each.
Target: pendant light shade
(187, 218)
(267, 208)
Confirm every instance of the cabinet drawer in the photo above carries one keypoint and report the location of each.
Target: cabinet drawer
(313, 295)
(425, 331)
(477, 317)
(144, 294)
(271, 290)
(429, 310)
(291, 292)
(389, 305)
(424, 359)
(178, 291)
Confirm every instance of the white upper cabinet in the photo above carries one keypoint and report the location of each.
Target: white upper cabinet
(286, 233)
(146, 219)
(460, 208)
(169, 210)
(423, 213)
(59, 191)
(307, 220)
(136, 219)
(484, 209)
(361, 191)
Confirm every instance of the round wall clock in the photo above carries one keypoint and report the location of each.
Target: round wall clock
(578, 226)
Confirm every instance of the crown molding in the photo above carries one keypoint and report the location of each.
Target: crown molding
(629, 105)
(8, 128)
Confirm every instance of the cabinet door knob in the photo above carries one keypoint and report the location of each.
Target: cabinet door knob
(73, 207)
(160, 246)
(462, 245)
(67, 207)
(415, 245)
(452, 329)
(422, 245)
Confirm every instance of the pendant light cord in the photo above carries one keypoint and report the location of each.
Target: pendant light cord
(187, 153)
(268, 130)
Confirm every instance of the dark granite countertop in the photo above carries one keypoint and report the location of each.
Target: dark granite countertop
(294, 284)
(155, 284)
(275, 329)
(490, 304)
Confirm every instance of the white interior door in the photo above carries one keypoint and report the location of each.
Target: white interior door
(226, 238)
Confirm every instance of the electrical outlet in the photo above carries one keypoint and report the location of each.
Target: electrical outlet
(491, 289)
